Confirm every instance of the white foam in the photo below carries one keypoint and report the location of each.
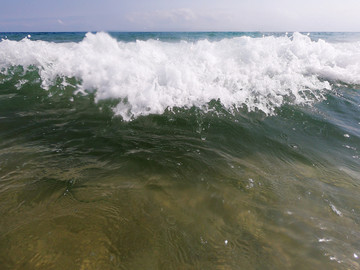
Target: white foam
(335, 210)
(152, 75)
(324, 240)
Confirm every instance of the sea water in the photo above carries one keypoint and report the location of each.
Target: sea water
(179, 150)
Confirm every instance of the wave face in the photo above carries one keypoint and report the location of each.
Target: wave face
(151, 76)
(194, 151)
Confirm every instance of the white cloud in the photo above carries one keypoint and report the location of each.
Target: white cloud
(161, 17)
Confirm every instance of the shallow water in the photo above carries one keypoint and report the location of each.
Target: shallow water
(205, 184)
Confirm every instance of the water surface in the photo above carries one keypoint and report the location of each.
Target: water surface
(179, 151)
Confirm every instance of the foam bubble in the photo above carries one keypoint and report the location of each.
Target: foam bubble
(151, 76)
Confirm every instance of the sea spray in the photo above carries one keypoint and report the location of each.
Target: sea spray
(151, 76)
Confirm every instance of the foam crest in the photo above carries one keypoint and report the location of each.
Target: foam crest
(151, 76)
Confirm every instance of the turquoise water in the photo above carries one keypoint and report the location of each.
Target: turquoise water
(175, 36)
(179, 151)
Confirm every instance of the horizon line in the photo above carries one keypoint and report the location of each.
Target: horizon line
(183, 31)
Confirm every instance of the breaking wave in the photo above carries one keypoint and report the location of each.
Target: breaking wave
(149, 77)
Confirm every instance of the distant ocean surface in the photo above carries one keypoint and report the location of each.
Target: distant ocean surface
(216, 150)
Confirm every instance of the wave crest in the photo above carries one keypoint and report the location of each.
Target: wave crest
(151, 76)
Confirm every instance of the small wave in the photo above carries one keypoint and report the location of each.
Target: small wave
(151, 76)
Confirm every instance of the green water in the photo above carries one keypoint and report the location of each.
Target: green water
(82, 189)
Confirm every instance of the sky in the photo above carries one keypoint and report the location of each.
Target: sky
(185, 15)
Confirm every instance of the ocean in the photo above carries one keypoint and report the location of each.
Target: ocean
(180, 150)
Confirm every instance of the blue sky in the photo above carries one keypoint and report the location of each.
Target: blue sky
(186, 15)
